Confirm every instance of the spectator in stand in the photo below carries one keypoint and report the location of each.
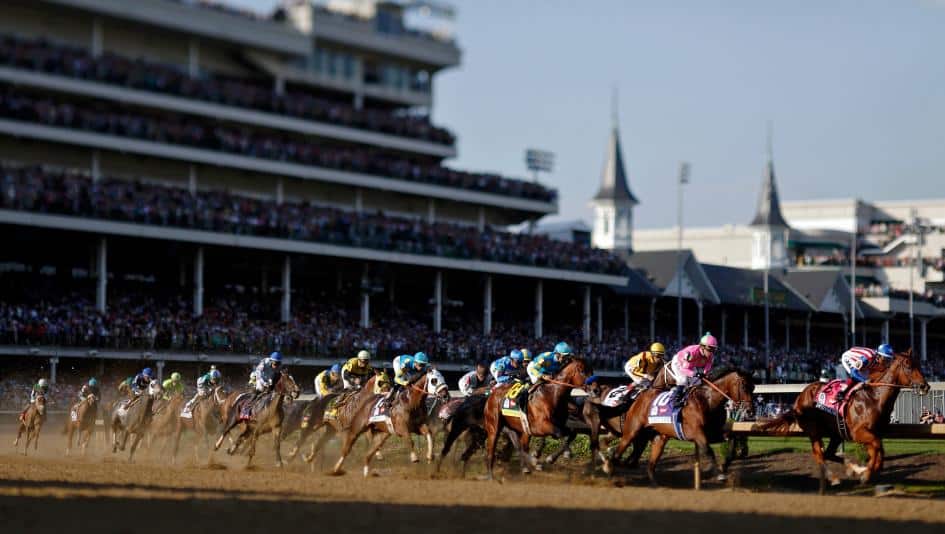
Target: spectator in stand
(926, 418)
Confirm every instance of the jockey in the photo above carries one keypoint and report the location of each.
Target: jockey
(90, 388)
(642, 368)
(408, 368)
(141, 381)
(205, 385)
(357, 370)
(265, 372)
(508, 368)
(475, 382)
(860, 358)
(692, 361)
(328, 381)
(39, 388)
(173, 386)
(546, 364)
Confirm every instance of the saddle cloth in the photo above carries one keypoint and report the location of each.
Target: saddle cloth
(510, 401)
(74, 415)
(662, 412)
(616, 396)
(828, 397)
(380, 413)
(187, 412)
(247, 408)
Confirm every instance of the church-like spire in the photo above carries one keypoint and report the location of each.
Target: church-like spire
(769, 205)
(613, 181)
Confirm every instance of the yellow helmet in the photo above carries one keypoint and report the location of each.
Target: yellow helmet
(658, 348)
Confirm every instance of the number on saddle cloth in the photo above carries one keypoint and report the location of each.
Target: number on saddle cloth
(662, 412)
(828, 396)
(515, 399)
(616, 397)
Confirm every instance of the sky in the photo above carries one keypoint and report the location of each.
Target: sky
(855, 90)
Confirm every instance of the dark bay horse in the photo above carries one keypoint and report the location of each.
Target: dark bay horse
(32, 423)
(267, 416)
(133, 417)
(205, 416)
(866, 416)
(407, 416)
(547, 413)
(82, 420)
(703, 419)
(466, 419)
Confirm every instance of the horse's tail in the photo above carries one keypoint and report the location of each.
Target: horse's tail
(781, 424)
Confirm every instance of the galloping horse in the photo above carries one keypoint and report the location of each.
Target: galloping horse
(406, 416)
(81, 419)
(133, 417)
(165, 413)
(266, 418)
(702, 416)
(205, 416)
(866, 417)
(32, 422)
(547, 413)
(467, 418)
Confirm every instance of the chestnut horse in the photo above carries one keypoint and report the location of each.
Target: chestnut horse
(703, 419)
(133, 417)
(32, 422)
(205, 416)
(82, 420)
(165, 413)
(867, 414)
(407, 416)
(547, 413)
(268, 418)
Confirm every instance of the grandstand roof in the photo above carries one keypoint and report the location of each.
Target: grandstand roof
(743, 287)
(613, 180)
(660, 268)
(637, 285)
(826, 289)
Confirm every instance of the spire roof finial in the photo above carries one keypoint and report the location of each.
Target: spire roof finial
(613, 180)
(769, 204)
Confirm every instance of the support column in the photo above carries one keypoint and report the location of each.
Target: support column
(160, 368)
(98, 37)
(358, 100)
(724, 326)
(626, 319)
(53, 362)
(487, 306)
(102, 266)
(431, 211)
(365, 298)
(358, 200)
(539, 308)
(280, 191)
(886, 331)
(699, 306)
(481, 225)
(193, 57)
(96, 166)
(787, 331)
(586, 318)
(653, 319)
(287, 289)
(438, 303)
(807, 332)
(198, 282)
(745, 331)
(600, 319)
(923, 339)
(846, 329)
(192, 179)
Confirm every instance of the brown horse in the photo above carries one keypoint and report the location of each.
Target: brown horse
(267, 417)
(407, 415)
(547, 413)
(32, 422)
(165, 412)
(865, 418)
(82, 420)
(133, 417)
(703, 419)
(205, 416)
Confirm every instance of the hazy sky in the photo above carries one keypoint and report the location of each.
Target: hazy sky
(855, 89)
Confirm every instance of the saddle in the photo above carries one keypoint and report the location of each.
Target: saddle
(380, 413)
(829, 401)
(662, 412)
(621, 396)
(247, 407)
(515, 403)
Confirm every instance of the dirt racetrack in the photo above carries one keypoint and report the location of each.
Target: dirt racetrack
(106, 494)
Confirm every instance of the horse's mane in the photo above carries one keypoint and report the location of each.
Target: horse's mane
(722, 371)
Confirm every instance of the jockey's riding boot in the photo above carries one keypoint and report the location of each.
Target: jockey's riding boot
(679, 393)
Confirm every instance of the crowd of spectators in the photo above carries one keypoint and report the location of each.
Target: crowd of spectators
(74, 62)
(72, 193)
(172, 129)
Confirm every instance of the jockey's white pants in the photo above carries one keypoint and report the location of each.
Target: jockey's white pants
(679, 376)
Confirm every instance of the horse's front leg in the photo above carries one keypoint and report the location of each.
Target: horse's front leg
(277, 445)
(425, 431)
(377, 441)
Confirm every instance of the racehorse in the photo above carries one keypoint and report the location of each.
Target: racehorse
(867, 414)
(268, 414)
(205, 416)
(31, 422)
(165, 413)
(466, 418)
(406, 416)
(133, 417)
(81, 419)
(703, 419)
(547, 412)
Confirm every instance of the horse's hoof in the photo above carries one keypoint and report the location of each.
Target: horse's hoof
(308, 458)
(549, 459)
(367, 471)
(526, 471)
(378, 455)
(722, 477)
(278, 465)
(607, 468)
(413, 458)
(566, 455)
(337, 472)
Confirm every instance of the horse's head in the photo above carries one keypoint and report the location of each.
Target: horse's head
(905, 371)
(436, 384)
(575, 372)
(738, 384)
(287, 385)
(219, 395)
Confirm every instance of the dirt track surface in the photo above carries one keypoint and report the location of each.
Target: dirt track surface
(106, 494)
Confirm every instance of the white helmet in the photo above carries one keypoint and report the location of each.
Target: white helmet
(364, 355)
(43, 382)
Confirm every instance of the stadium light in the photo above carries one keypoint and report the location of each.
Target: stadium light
(539, 161)
(683, 180)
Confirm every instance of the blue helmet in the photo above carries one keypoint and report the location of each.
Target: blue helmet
(214, 374)
(335, 368)
(147, 372)
(886, 350)
(516, 355)
(563, 348)
(421, 357)
(93, 382)
(590, 380)
(276, 356)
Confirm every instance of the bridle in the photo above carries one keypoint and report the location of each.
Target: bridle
(737, 403)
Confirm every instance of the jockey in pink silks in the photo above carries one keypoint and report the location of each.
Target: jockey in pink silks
(692, 362)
